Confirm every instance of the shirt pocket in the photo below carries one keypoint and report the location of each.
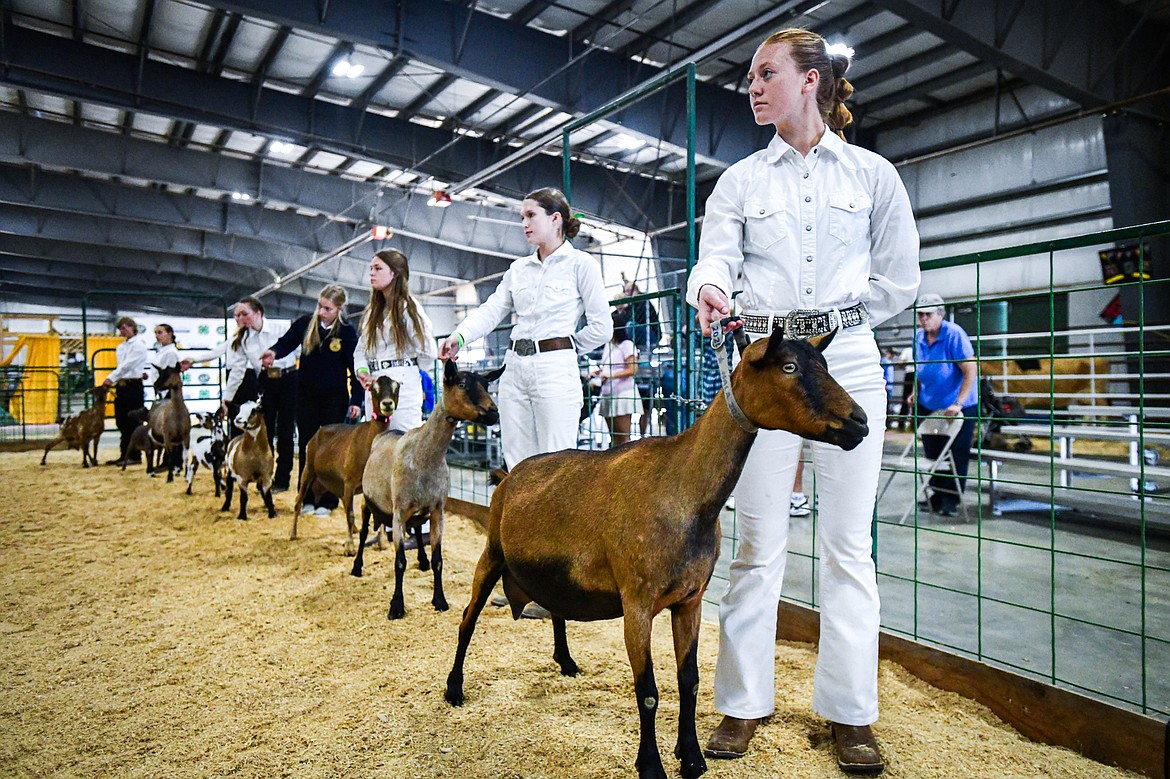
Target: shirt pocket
(849, 216)
(559, 292)
(763, 224)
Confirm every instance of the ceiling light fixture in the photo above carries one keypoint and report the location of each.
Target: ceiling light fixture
(344, 68)
(381, 232)
(280, 147)
(440, 199)
(241, 196)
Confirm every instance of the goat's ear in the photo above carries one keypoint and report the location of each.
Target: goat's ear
(491, 376)
(775, 342)
(450, 371)
(821, 342)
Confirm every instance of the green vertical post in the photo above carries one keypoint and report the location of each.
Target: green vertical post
(566, 153)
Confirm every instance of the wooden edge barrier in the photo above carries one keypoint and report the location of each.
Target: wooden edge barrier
(1038, 711)
(1041, 712)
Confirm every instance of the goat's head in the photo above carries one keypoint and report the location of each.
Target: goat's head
(204, 419)
(99, 392)
(784, 384)
(169, 379)
(385, 396)
(465, 394)
(250, 416)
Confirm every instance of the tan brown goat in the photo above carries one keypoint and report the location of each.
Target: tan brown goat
(170, 422)
(249, 460)
(406, 479)
(83, 429)
(634, 530)
(336, 455)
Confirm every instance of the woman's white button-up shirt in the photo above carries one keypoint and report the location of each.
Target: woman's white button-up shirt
(548, 298)
(419, 347)
(828, 230)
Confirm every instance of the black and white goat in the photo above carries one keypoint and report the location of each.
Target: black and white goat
(208, 444)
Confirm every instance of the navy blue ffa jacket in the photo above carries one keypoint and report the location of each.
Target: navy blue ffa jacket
(328, 369)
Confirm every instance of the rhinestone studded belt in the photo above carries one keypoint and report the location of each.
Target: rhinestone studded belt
(804, 323)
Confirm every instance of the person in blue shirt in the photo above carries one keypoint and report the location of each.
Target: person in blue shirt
(947, 385)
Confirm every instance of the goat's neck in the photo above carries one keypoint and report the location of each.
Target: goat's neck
(714, 450)
(437, 431)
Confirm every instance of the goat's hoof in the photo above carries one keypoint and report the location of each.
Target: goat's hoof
(570, 668)
(651, 769)
(692, 766)
(350, 550)
(396, 612)
(440, 605)
(272, 515)
(454, 695)
(424, 565)
(242, 518)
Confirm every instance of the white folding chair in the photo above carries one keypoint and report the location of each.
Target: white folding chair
(922, 466)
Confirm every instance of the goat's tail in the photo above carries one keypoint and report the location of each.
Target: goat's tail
(497, 475)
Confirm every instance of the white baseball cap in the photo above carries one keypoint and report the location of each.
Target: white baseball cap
(929, 300)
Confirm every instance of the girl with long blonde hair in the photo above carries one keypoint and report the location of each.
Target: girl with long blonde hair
(328, 391)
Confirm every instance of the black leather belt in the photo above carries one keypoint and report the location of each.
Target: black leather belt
(804, 323)
(381, 365)
(526, 346)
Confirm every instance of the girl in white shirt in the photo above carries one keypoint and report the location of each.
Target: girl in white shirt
(618, 397)
(394, 336)
(811, 223)
(133, 364)
(167, 354)
(548, 291)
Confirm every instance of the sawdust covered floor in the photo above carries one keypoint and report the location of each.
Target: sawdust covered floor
(145, 634)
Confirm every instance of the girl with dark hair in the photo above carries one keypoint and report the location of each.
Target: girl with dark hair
(395, 335)
(167, 354)
(820, 236)
(618, 396)
(133, 363)
(548, 291)
(248, 379)
(328, 391)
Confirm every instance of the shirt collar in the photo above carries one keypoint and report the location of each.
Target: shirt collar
(561, 251)
(830, 143)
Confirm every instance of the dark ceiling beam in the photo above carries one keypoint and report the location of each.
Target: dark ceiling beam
(25, 141)
(326, 69)
(378, 83)
(466, 42)
(271, 52)
(922, 90)
(1101, 54)
(661, 33)
(474, 107)
(529, 12)
(77, 9)
(213, 62)
(590, 27)
(429, 94)
(48, 63)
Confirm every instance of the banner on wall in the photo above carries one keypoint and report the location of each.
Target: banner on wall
(1125, 263)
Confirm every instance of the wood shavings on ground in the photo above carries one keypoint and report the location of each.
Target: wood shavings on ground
(147, 634)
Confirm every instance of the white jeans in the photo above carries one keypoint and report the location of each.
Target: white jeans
(845, 681)
(540, 404)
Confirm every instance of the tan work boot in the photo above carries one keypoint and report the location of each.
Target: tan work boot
(730, 739)
(857, 750)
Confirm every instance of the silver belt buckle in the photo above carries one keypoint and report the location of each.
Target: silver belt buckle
(525, 347)
(796, 323)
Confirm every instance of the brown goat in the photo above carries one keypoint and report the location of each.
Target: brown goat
(634, 530)
(83, 429)
(336, 455)
(249, 459)
(170, 422)
(406, 479)
(141, 441)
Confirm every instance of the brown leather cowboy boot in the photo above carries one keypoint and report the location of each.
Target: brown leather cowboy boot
(857, 749)
(730, 739)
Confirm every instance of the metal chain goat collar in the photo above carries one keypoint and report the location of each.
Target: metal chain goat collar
(722, 346)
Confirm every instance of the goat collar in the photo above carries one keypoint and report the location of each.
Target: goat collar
(722, 346)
